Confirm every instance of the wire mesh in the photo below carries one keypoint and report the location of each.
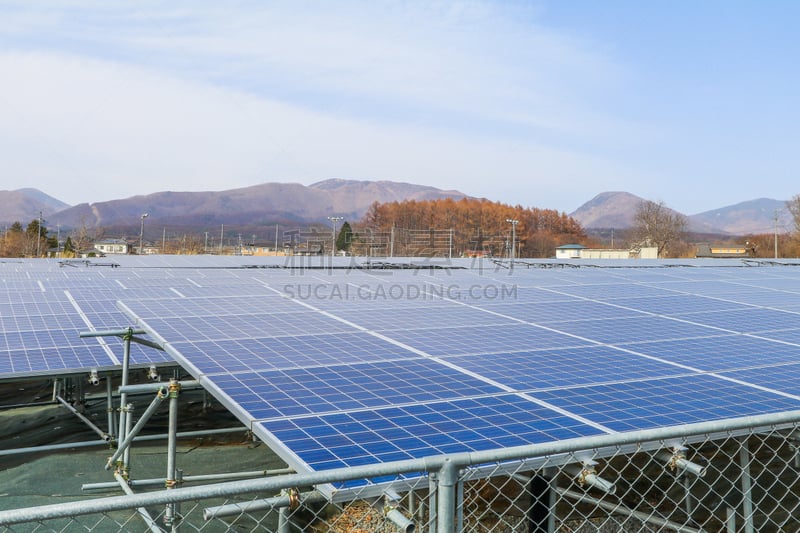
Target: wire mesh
(733, 481)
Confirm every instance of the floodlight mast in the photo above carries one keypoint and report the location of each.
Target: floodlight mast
(141, 232)
(513, 223)
(334, 220)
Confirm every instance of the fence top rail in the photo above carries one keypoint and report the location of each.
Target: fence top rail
(433, 464)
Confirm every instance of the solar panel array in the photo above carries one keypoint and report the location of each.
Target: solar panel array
(382, 366)
(346, 367)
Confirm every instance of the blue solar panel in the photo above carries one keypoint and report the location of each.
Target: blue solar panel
(412, 431)
(628, 406)
(574, 367)
(333, 368)
(209, 357)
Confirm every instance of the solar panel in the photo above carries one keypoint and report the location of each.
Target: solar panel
(343, 367)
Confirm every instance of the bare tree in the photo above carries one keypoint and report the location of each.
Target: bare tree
(657, 225)
(793, 206)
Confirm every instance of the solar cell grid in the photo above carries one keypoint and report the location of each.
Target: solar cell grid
(781, 378)
(666, 402)
(636, 329)
(483, 339)
(574, 367)
(320, 390)
(423, 429)
(748, 320)
(287, 352)
(719, 353)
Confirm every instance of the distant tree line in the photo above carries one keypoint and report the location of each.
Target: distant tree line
(465, 227)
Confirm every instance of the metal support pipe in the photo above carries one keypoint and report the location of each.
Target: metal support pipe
(448, 478)
(176, 522)
(433, 507)
(54, 447)
(267, 504)
(103, 435)
(129, 436)
(400, 521)
(88, 444)
(202, 478)
(110, 407)
(730, 520)
(687, 496)
(172, 446)
(123, 397)
(126, 454)
(284, 526)
(141, 510)
(747, 494)
(155, 387)
(647, 518)
(460, 505)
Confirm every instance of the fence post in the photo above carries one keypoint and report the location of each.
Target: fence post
(448, 479)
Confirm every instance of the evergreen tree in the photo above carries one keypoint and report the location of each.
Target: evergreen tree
(344, 239)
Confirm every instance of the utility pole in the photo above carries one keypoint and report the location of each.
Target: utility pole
(39, 237)
(513, 223)
(334, 220)
(776, 233)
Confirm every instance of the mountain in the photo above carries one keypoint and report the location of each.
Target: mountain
(268, 203)
(613, 209)
(24, 205)
(752, 217)
(616, 210)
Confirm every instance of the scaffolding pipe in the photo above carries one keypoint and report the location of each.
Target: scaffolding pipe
(267, 504)
(142, 388)
(448, 479)
(126, 454)
(172, 446)
(433, 507)
(130, 435)
(55, 447)
(142, 438)
(153, 482)
(283, 520)
(617, 508)
(103, 435)
(747, 494)
(110, 408)
(123, 397)
(141, 510)
(176, 522)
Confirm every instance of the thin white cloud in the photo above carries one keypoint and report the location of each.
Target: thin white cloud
(113, 100)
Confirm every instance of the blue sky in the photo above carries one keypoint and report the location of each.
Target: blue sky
(542, 104)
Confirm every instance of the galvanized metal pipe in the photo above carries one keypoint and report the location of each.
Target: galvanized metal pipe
(172, 446)
(447, 481)
(152, 482)
(110, 407)
(126, 454)
(123, 397)
(647, 518)
(141, 510)
(129, 436)
(747, 494)
(142, 438)
(142, 388)
(266, 504)
(103, 435)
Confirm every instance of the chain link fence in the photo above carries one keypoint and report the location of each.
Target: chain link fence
(738, 475)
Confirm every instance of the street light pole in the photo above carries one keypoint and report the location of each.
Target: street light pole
(334, 220)
(513, 223)
(141, 233)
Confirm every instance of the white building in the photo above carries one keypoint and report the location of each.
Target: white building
(112, 246)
